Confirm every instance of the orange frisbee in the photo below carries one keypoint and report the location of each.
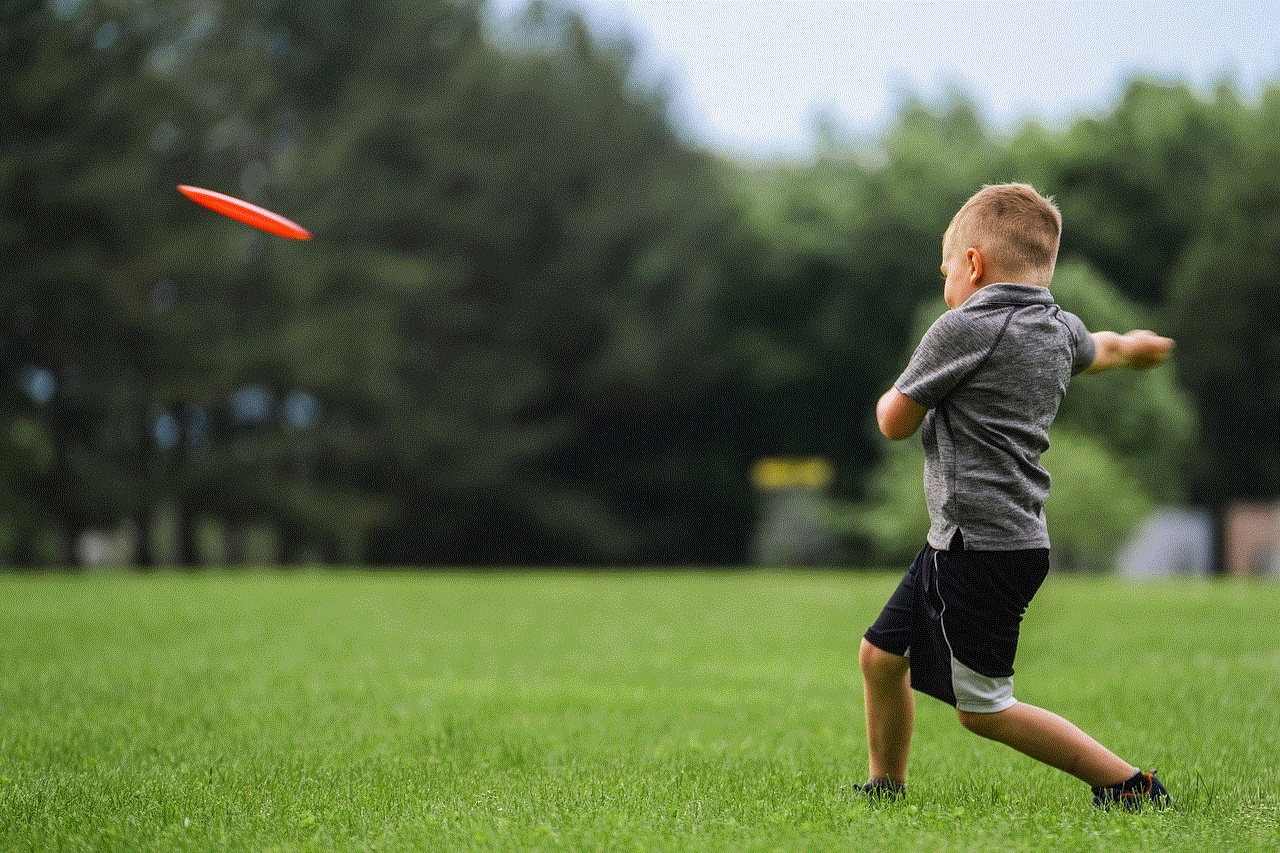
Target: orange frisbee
(249, 214)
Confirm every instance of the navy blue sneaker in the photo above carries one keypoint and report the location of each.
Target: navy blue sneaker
(1133, 793)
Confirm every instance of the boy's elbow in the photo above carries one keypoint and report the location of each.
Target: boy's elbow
(894, 432)
(898, 416)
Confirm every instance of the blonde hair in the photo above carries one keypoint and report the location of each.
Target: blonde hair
(1016, 228)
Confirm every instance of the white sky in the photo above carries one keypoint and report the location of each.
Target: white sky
(748, 76)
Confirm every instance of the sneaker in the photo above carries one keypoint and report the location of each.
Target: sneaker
(881, 788)
(1133, 793)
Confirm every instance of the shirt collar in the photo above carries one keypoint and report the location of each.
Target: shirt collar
(1006, 293)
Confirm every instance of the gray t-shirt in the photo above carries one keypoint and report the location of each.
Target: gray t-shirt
(992, 373)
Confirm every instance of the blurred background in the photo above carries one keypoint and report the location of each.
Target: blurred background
(611, 284)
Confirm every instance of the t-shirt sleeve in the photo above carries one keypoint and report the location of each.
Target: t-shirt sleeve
(947, 353)
(1085, 348)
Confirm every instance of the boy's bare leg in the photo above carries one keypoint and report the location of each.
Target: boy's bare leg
(891, 711)
(1047, 737)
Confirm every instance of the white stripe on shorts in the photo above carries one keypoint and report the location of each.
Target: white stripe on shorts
(978, 693)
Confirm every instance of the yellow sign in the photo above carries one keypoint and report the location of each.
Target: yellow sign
(776, 473)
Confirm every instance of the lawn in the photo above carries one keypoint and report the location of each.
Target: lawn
(612, 712)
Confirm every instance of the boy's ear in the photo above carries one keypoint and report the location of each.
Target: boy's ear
(977, 265)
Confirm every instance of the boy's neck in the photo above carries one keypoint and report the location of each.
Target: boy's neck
(997, 277)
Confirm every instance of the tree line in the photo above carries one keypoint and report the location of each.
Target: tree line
(538, 325)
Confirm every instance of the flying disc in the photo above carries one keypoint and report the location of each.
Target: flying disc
(250, 214)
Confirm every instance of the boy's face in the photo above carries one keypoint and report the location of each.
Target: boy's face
(960, 277)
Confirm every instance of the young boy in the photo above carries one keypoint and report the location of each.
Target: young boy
(985, 382)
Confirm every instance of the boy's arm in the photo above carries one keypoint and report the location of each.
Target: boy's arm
(898, 415)
(1139, 350)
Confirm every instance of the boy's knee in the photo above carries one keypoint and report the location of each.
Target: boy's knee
(985, 724)
(972, 721)
(879, 666)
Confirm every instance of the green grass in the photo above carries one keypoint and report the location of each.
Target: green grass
(616, 712)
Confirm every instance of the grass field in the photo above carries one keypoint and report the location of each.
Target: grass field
(614, 712)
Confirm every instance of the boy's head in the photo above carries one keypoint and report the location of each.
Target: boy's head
(1004, 232)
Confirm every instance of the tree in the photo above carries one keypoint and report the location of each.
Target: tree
(67, 82)
(1132, 185)
(1143, 420)
(1224, 310)
(827, 273)
(511, 306)
(146, 316)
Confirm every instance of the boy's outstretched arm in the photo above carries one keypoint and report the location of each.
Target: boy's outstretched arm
(898, 415)
(1139, 350)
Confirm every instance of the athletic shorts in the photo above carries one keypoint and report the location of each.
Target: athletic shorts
(955, 615)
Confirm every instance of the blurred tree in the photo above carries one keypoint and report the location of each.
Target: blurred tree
(1095, 502)
(825, 278)
(144, 332)
(72, 436)
(251, 83)
(1133, 184)
(533, 307)
(508, 325)
(1224, 309)
(1144, 420)
(513, 299)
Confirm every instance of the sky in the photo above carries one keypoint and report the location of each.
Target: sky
(748, 77)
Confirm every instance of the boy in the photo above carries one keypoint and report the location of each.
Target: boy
(985, 382)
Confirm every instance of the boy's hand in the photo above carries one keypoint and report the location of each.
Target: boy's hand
(1139, 350)
(1146, 349)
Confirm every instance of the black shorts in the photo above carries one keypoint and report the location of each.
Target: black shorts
(955, 615)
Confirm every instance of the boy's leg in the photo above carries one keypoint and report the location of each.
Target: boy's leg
(890, 709)
(1054, 740)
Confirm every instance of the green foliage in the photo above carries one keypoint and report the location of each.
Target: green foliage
(1143, 420)
(65, 315)
(531, 306)
(826, 276)
(1095, 501)
(525, 254)
(1132, 185)
(505, 324)
(891, 521)
(1224, 307)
